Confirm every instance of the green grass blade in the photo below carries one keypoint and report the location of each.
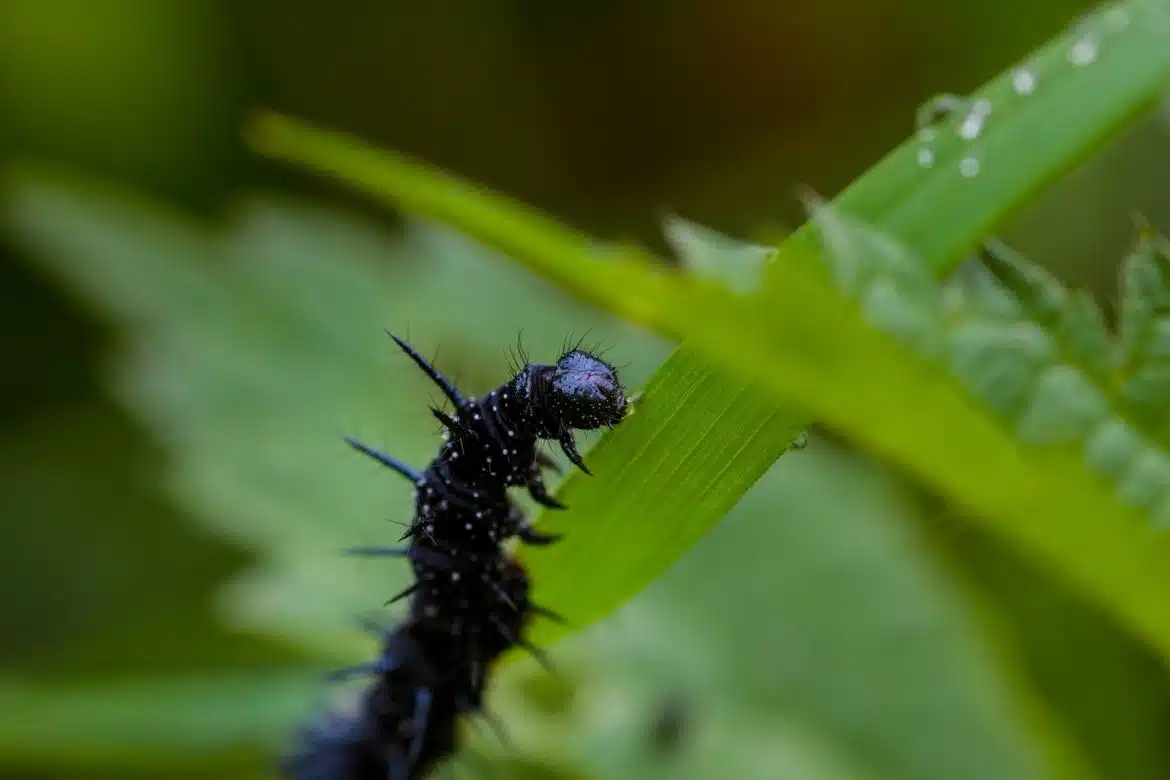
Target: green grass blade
(697, 474)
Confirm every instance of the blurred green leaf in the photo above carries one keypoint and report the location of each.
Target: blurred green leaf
(151, 722)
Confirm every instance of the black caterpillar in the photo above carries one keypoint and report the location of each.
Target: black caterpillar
(469, 602)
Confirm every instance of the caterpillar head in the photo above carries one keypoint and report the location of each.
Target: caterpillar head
(585, 391)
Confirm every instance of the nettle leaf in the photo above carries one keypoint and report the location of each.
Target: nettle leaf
(1042, 362)
(1143, 349)
(971, 292)
(897, 293)
(1074, 319)
(706, 252)
(1074, 397)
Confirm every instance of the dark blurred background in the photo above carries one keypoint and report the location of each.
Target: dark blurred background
(607, 114)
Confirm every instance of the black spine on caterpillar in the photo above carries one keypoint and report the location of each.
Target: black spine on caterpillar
(469, 603)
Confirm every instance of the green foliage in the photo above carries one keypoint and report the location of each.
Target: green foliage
(250, 401)
(248, 350)
(796, 338)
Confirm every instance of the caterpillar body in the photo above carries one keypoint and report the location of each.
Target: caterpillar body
(469, 602)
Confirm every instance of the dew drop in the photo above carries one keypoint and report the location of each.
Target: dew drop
(1083, 52)
(938, 108)
(1023, 81)
(926, 157)
(972, 124)
(969, 167)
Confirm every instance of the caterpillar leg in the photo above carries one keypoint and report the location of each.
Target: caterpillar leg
(530, 535)
(569, 445)
(546, 462)
(539, 491)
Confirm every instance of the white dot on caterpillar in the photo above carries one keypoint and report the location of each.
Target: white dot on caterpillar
(1023, 81)
(505, 396)
(475, 416)
(454, 576)
(479, 515)
(969, 167)
(442, 505)
(467, 526)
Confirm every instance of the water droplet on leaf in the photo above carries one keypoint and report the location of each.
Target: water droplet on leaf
(1023, 81)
